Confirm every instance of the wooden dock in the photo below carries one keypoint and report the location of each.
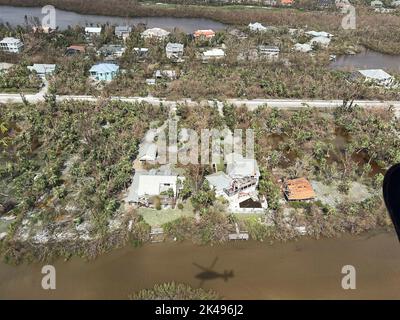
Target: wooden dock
(239, 235)
(157, 235)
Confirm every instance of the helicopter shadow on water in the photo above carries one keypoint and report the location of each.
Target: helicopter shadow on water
(208, 274)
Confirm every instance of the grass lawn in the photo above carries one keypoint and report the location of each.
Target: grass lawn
(156, 218)
(247, 216)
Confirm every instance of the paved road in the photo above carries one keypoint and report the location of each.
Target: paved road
(251, 104)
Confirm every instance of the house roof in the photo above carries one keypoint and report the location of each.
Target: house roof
(174, 46)
(10, 40)
(93, 29)
(376, 74)
(319, 34)
(155, 32)
(206, 33)
(147, 152)
(268, 48)
(104, 68)
(257, 26)
(299, 189)
(165, 73)
(123, 29)
(320, 40)
(77, 48)
(214, 53)
(148, 184)
(42, 68)
(237, 166)
(219, 180)
(303, 47)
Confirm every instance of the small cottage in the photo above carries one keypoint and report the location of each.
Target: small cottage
(298, 189)
(174, 50)
(11, 45)
(104, 71)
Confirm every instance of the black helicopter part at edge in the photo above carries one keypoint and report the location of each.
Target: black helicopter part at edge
(391, 195)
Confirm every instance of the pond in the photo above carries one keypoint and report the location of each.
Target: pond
(367, 59)
(306, 269)
(16, 16)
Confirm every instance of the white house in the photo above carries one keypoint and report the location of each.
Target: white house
(170, 74)
(257, 27)
(376, 4)
(213, 54)
(174, 50)
(319, 34)
(155, 33)
(321, 41)
(122, 31)
(239, 184)
(43, 70)
(270, 52)
(302, 47)
(92, 31)
(11, 45)
(220, 181)
(147, 184)
(240, 167)
(376, 76)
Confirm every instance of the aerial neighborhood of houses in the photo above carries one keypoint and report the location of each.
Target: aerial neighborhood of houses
(209, 49)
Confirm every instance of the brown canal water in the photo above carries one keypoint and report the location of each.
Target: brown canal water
(309, 269)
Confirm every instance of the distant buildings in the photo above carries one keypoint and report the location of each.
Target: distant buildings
(111, 51)
(319, 34)
(11, 45)
(302, 47)
(287, 3)
(321, 41)
(204, 34)
(43, 70)
(257, 27)
(169, 74)
(270, 52)
(91, 32)
(74, 49)
(374, 76)
(104, 71)
(141, 52)
(377, 4)
(395, 3)
(122, 32)
(213, 54)
(155, 33)
(174, 50)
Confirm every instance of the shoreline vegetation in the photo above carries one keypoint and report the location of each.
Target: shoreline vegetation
(374, 31)
(174, 291)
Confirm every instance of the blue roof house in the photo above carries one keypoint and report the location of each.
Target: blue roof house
(104, 71)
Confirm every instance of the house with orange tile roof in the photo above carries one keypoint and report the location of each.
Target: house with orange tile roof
(287, 2)
(204, 34)
(298, 189)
